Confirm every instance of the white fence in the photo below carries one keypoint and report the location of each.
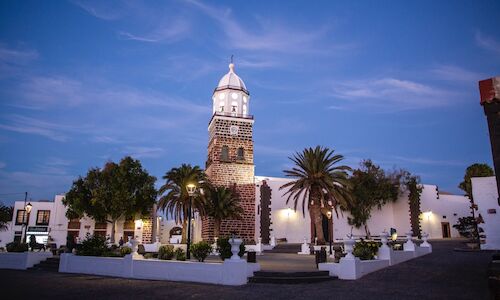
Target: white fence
(350, 267)
(22, 260)
(229, 272)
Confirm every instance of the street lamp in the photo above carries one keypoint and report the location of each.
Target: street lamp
(329, 216)
(191, 189)
(27, 210)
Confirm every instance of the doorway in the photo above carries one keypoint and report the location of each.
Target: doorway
(445, 228)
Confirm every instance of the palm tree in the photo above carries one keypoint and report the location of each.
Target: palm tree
(5, 216)
(320, 182)
(175, 199)
(221, 204)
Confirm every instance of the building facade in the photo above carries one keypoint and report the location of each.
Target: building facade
(47, 221)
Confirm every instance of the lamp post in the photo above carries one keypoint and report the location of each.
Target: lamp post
(329, 216)
(27, 210)
(191, 189)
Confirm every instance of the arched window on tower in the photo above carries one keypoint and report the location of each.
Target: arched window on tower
(224, 154)
(241, 154)
(234, 107)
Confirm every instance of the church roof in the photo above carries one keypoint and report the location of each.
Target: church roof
(231, 81)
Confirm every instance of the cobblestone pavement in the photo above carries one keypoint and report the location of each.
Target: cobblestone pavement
(444, 274)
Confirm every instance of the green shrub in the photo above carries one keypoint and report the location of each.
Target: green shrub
(201, 250)
(111, 254)
(17, 247)
(166, 252)
(125, 250)
(93, 245)
(150, 255)
(366, 250)
(224, 248)
(180, 254)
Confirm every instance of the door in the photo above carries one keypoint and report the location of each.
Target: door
(445, 228)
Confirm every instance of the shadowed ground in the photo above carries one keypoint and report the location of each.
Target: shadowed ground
(444, 274)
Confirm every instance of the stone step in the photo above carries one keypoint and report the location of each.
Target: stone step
(290, 278)
(285, 248)
(50, 264)
(291, 274)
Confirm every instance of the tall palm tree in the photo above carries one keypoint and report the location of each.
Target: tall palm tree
(319, 181)
(221, 204)
(5, 216)
(174, 198)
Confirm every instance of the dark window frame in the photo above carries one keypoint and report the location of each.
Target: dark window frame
(24, 220)
(240, 154)
(224, 153)
(43, 211)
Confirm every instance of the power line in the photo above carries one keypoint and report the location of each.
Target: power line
(8, 194)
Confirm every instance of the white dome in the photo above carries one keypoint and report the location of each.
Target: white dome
(231, 81)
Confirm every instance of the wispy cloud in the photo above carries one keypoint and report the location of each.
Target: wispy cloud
(271, 36)
(456, 73)
(428, 161)
(166, 32)
(389, 93)
(2, 165)
(47, 92)
(17, 56)
(143, 152)
(22, 124)
(105, 10)
(487, 42)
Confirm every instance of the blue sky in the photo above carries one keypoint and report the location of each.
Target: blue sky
(82, 83)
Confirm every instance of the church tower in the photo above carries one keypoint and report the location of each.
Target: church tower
(230, 153)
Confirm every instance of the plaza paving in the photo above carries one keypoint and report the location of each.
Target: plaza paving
(444, 274)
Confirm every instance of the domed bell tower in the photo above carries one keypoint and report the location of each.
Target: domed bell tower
(230, 153)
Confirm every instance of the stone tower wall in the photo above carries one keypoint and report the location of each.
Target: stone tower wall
(232, 172)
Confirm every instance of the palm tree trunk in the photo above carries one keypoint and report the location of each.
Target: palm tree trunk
(216, 228)
(317, 219)
(184, 232)
(113, 229)
(367, 231)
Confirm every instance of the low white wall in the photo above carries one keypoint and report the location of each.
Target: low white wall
(401, 256)
(368, 266)
(229, 272)
(22, 260)
(354, 268)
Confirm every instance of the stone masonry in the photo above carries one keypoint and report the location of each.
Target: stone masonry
(234, 171)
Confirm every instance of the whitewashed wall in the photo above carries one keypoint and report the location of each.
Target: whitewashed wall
(285, 221)
(446, 208)
(294, 226)
(485, 194)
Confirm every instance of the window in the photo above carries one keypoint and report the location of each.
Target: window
(241, 153)
(221, 109)
(233, 108)
(42, 217)
(20, 217)
(224, 154)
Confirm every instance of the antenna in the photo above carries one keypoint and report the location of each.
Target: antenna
(232, 58)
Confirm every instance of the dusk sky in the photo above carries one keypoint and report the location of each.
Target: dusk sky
(83, 82)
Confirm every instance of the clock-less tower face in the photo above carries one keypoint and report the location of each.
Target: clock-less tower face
(230, 153)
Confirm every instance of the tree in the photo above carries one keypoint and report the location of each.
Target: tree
(474, 170)
(175, 199)
(5, 216)
(222, 203)
(319, 181)
(466, 227)
(115, 191)
(372, 187)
